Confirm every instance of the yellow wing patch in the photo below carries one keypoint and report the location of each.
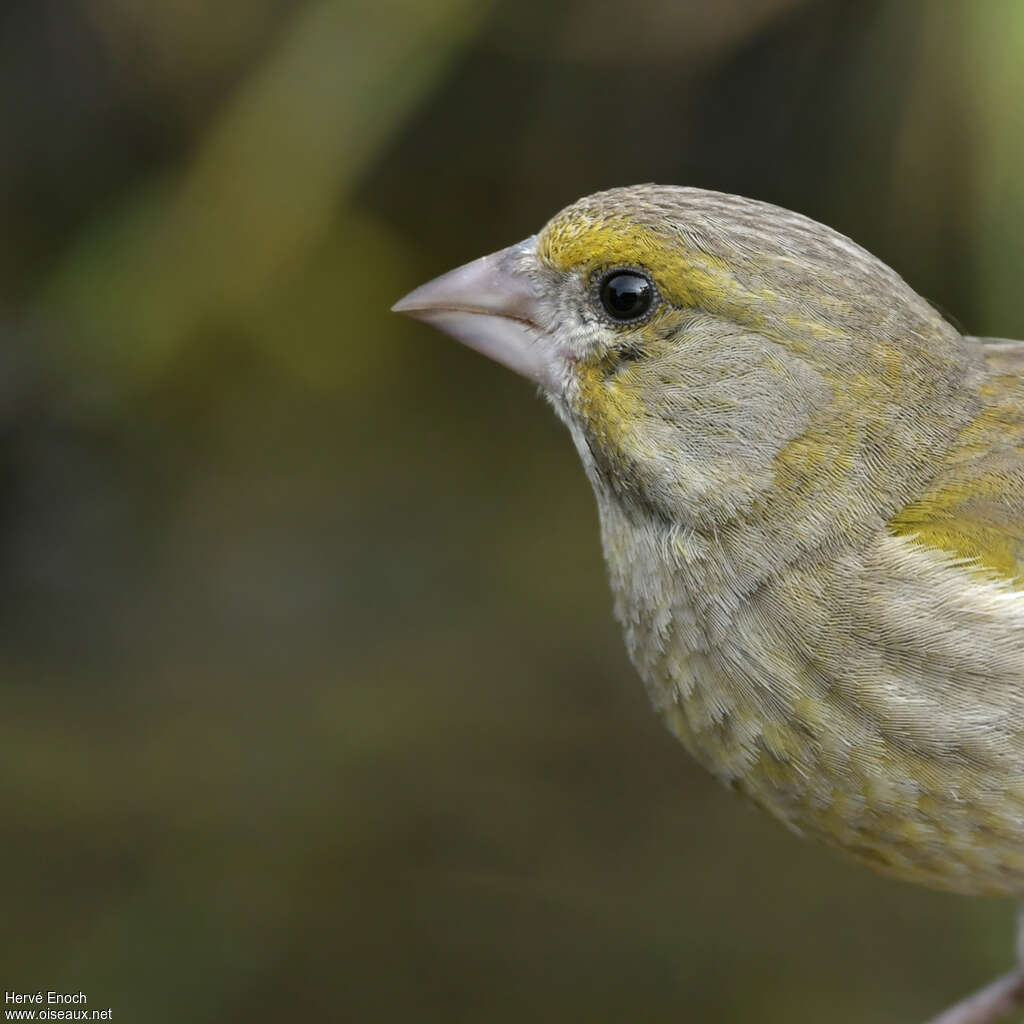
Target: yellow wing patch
(974, 509)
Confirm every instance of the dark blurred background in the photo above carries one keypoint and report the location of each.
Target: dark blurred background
(312, 701)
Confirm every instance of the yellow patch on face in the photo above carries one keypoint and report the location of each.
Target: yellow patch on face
(609, 408)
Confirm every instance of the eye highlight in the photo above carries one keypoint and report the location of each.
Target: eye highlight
(626, 295)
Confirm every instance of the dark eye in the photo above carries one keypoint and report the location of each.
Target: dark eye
(626, 294)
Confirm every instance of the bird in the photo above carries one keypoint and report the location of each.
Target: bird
(810, 486)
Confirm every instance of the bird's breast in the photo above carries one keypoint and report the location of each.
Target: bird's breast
(870, 702)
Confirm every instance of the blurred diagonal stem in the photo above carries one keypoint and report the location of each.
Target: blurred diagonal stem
(267, 183)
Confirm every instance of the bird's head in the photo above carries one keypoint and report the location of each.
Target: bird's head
(708, 352)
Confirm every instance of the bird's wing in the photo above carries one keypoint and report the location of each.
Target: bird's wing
(974, 509)
(1003, 354)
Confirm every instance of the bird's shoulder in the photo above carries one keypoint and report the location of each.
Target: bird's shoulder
(974, 507)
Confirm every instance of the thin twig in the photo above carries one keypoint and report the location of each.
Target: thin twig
(987, 1004)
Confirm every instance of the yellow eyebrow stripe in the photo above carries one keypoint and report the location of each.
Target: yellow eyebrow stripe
(686, 276)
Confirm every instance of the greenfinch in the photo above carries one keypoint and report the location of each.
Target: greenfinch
(811, 495)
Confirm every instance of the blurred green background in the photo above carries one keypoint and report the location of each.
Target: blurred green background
(312, 701)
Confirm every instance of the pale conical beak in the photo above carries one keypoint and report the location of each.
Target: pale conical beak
(491, 305)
